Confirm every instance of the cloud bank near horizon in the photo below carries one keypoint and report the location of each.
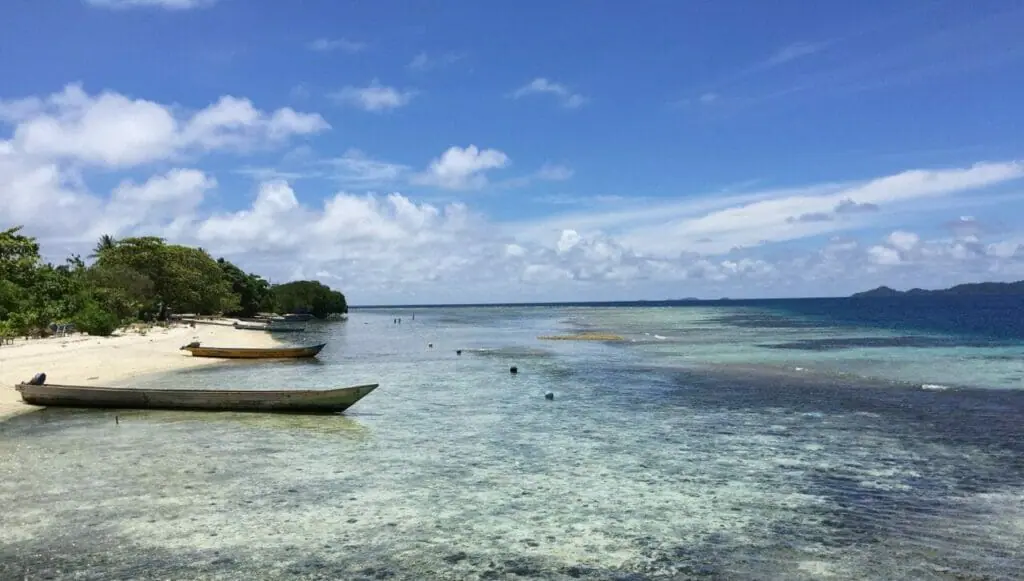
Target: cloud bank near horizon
(75, 165)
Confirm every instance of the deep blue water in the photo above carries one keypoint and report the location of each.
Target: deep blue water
(996, 317)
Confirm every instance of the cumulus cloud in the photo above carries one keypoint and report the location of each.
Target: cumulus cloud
(542, 86)
(113, 130)
(374, 97)
(394, 247)
(425, 62)
(462, 168)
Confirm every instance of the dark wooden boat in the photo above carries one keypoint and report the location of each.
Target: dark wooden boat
(297, 317)
(293, 401)
(253, 353)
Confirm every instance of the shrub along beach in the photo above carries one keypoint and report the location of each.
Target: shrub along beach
(111, 319)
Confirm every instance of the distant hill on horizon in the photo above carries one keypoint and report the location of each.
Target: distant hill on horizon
(969, 289)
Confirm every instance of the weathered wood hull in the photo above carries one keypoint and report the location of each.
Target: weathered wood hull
(255, 353)
(281, 401)
(252, 326)
(286, 327)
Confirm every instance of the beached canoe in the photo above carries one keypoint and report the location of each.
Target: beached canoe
(252, 326)
(294, 401)
(284, 326)
(253, 353)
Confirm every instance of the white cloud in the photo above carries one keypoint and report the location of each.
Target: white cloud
(884, 255)
(424, 62)
(377, 248)
(110, 129)
(554, 172)
(462, 168)
(333, 44)
(540, 86)
(717, 224)
(792, 52)
(354, 168)
(374, 97)
(903, 241)
(550, 172)
(167, 4)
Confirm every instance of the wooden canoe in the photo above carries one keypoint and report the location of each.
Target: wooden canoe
(294, 401)
(252, 326)
(253, 353)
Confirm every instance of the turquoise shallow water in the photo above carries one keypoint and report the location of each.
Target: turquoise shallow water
(714, 443)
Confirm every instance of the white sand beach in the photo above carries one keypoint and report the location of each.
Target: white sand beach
(85, 360)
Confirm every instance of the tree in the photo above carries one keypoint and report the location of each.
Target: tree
(137, 278)
(19, 257)
(105, 243)
(308, 296)
(184, 279)
(252, 290)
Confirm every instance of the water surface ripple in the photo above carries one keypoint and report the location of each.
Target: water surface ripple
(690, 451)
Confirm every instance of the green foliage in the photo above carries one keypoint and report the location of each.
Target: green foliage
(137, 278)
(251, 290)
(93, 319)
(184, 279)
(308, 296)
(19, 257)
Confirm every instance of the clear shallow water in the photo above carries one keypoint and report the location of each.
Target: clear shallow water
(704, 454)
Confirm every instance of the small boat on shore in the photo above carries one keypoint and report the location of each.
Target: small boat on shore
(252, 326)
(253, 352)
(297, 317)
(282, 325)
(37, 392)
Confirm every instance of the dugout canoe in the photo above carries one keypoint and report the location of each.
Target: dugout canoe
(253, 352)
(321, 401)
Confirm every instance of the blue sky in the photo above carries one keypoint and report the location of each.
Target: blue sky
(730, 124)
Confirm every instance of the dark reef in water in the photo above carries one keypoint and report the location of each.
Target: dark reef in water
(971, 289)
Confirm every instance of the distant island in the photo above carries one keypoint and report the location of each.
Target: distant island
(970, 289)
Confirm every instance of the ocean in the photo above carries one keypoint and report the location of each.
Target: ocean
(802, 439)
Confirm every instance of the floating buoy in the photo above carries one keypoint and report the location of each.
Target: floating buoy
(513, 370)
(549, 396)
(431, 345)
(458, 351)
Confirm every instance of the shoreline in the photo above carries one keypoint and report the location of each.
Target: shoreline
(86, 360)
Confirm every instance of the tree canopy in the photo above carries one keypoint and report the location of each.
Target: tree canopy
(309, 296)
(138, 278)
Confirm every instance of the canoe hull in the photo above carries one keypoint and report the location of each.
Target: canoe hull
(252, 353)
(280, 401)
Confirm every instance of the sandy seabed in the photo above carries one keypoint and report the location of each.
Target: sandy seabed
(85, 360)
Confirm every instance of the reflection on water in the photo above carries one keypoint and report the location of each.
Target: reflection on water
(658, 459)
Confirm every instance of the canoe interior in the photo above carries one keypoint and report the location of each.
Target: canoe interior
(255, 353)
(294, 401)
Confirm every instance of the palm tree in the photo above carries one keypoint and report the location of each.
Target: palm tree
(106, 243)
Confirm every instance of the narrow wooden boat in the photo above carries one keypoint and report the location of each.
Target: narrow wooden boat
(253, 353)
(293, 401)
(297, 317)
(251, 326)
(284, 326)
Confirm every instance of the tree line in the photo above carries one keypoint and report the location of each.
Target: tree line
(137, 279)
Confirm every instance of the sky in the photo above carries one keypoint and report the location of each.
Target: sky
(412, 152)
